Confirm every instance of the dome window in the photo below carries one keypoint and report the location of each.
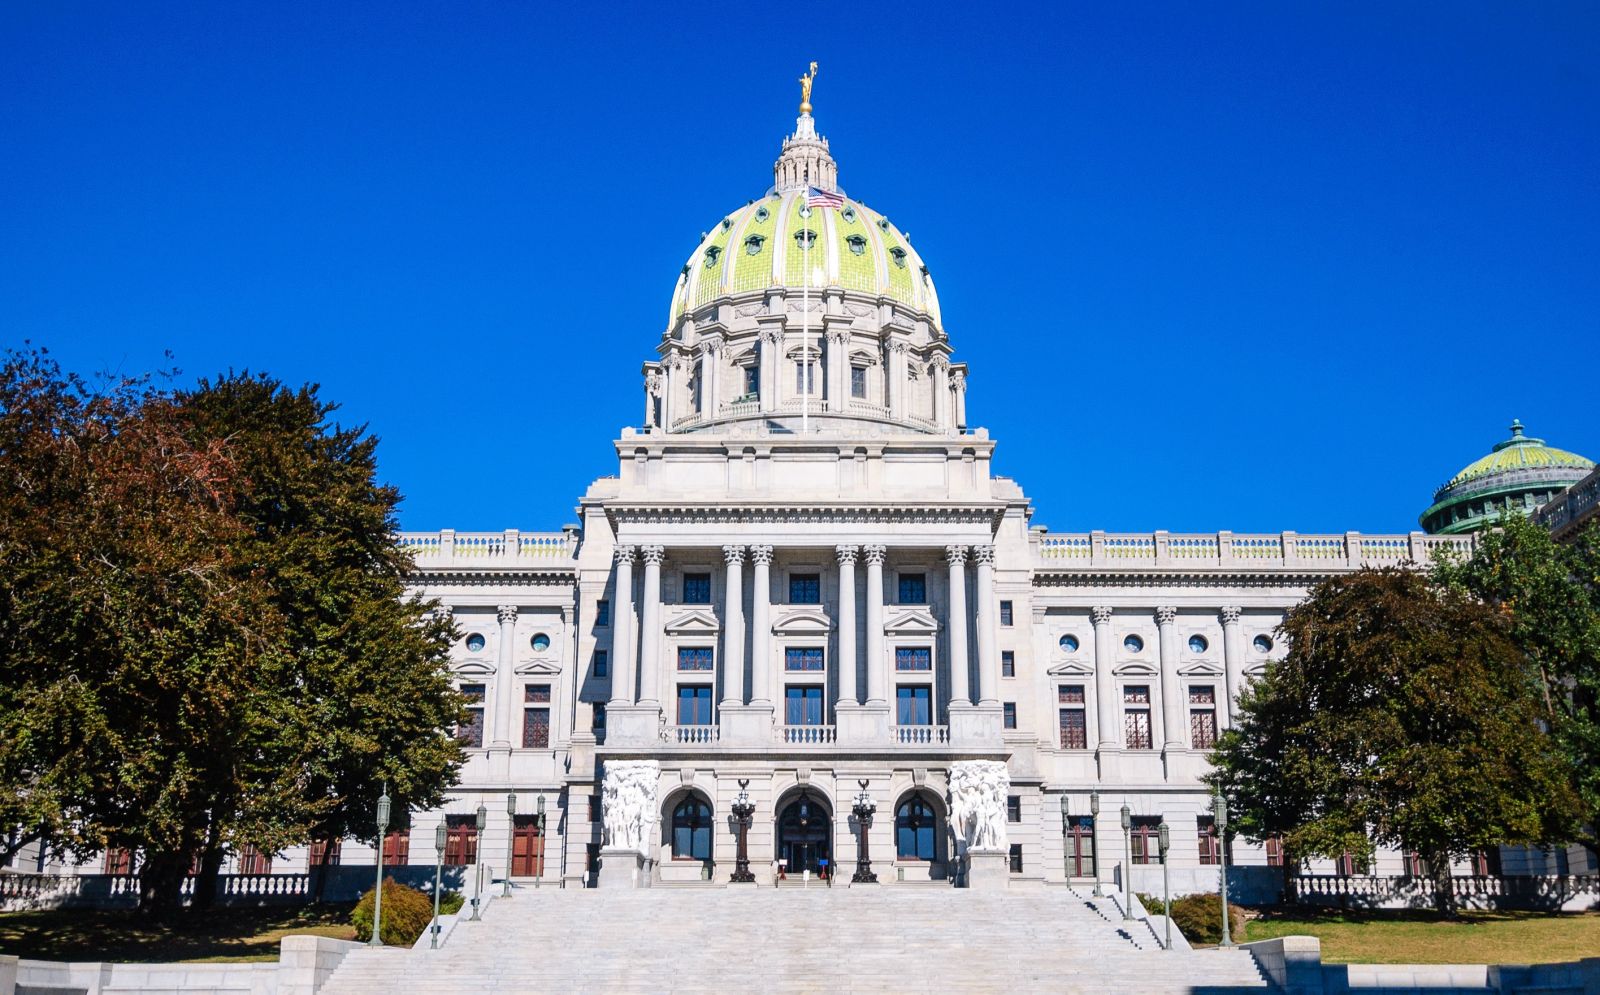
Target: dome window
(712, 252)
(1198, 644)
(899, 256)
(849, 214)
(762, 214)
(727, 223)
(857, 243)
(804, 238)
(883, 224)
(805, 210)
(752, 245)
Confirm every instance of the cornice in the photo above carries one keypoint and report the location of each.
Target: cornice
(544, 576)
(768, 513)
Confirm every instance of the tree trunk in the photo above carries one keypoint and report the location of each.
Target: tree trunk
(320, 878)
(161, 881)
(205, 883)
(1291, 870)
(1444, 886)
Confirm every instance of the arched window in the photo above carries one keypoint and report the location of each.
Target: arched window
(691, 830)
(914, 826)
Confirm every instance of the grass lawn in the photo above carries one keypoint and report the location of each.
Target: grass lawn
(1408, 937)
(219, 935)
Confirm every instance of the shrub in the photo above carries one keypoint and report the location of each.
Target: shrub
(450, 903)
(1200, 919)
(406, 914)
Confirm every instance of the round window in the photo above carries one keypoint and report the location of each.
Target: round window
(1198, 644)
(541, 642)
(1132, 643)
(1263, 644)
(1069, 643)
(476, 642)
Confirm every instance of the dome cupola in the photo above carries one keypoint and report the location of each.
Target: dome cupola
(1519, 474)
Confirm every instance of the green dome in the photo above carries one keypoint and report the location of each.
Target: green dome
(1519, 474)
(761, 246)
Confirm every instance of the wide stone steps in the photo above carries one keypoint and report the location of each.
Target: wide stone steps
(782, 940)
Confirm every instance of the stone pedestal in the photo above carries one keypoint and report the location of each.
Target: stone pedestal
(622, 868)
(862, 725)
(975, 726)
(746, 725)
(988, 870)
(633, 725)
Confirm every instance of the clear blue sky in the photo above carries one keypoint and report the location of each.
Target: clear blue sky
(1245, 266)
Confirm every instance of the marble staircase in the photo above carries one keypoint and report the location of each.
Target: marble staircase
(869, 939)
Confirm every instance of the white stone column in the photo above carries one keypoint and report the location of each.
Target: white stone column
(652, 390)
(650, 626)
(1172, 725)
(897, 380)
(838, 370)
(847, 624)
(960, 659)
(669, 403)
(710, 377)
(733, 627)
(1232, 664)
(941, 391)
(771, 345)
(622, 630)
(760, 626)
(960, 379)
(503, 678)
(1105, 685)
(877, 664)
(988, 658)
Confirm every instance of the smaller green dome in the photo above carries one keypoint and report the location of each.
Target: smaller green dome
(1519, 474)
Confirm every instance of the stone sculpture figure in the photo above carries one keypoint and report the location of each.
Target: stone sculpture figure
(978, 791)
(628, 803)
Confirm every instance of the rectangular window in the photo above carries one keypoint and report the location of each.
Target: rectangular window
(1013, 808)
(602, 613)
(1005, 613)
(913, 589)
(1146, 839)
(913, 658)
(913, 705)
(461, 840)
(324, 853)
(119, 860)
(1008, 663)
(694, 658)
(1074, 721)
(752, 381)
(602, 663)
(397, 848)
(1486, 863)
(1349, 865)
(858, 382)
(536, 721)
(1274, 851)
(253, 861)
(694, 705)
(1008, 713)
(802, 658)
(470, 732)
(1080, 846)
(1014, 858)
(805, 589)
(1136, 717)
(1203, 717)
(1206, 831)
(697, 589)
(805, 377)
(597, 722)
(802, 705)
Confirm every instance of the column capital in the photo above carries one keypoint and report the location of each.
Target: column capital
(761, 555)
(983, 554)
(1166, 615)
(1230, 615)
(955, 555)
(1100, 615)
(733, 554)
(847, 555)
(625, 554)
(444, 613)
(506, 613)
(653, 554)
(874, 553)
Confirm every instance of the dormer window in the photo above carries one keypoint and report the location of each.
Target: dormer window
(849, 214)
(805, 237)
(883, 224)
(899, 256)
(805, 210)
(727, 223)
(857, 244)
(762, 214)
(752, 245)
(712, 252)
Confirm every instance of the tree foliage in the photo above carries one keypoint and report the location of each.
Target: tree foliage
(1550, 595)
(1401, 715)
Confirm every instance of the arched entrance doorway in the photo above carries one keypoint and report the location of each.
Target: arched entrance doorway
(805, 836)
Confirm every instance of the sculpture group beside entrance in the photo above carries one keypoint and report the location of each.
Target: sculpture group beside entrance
(978, 790)
(627, 812)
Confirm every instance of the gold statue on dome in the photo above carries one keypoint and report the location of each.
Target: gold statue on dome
(805, 89)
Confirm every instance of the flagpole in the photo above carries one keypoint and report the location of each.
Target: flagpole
(805, 325)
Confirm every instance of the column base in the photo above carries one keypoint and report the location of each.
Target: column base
(622, 868)
(747, 725)
(975, 726)
(862, 725)
(987, 870)
(633, 725)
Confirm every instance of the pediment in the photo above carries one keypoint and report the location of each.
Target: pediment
(474, 668)
(1071, 668)
(803, 621)
(1201, 668)
(911, 622)
(695, 622)
(539, 668)
(1135, 668)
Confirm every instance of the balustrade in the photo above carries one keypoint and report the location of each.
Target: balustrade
(921, 735)
(814, 735)
(449, 548)
(691, 734)
(1225, 549)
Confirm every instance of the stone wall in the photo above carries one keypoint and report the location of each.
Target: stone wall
(304, 963)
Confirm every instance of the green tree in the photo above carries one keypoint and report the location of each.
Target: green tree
(1550, 594)
(1401, 715)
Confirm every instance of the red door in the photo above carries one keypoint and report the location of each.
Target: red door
(527, 848)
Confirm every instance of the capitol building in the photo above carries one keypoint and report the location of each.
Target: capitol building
(804, 586)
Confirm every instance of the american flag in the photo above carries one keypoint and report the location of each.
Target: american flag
(823, 198)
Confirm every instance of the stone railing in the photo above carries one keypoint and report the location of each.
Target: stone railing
(1224, 550)
(488, 550)
(692, 734)
(807, 735)
(921, 735)
(1572, 506)
(1579, 891)
(25, 891)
